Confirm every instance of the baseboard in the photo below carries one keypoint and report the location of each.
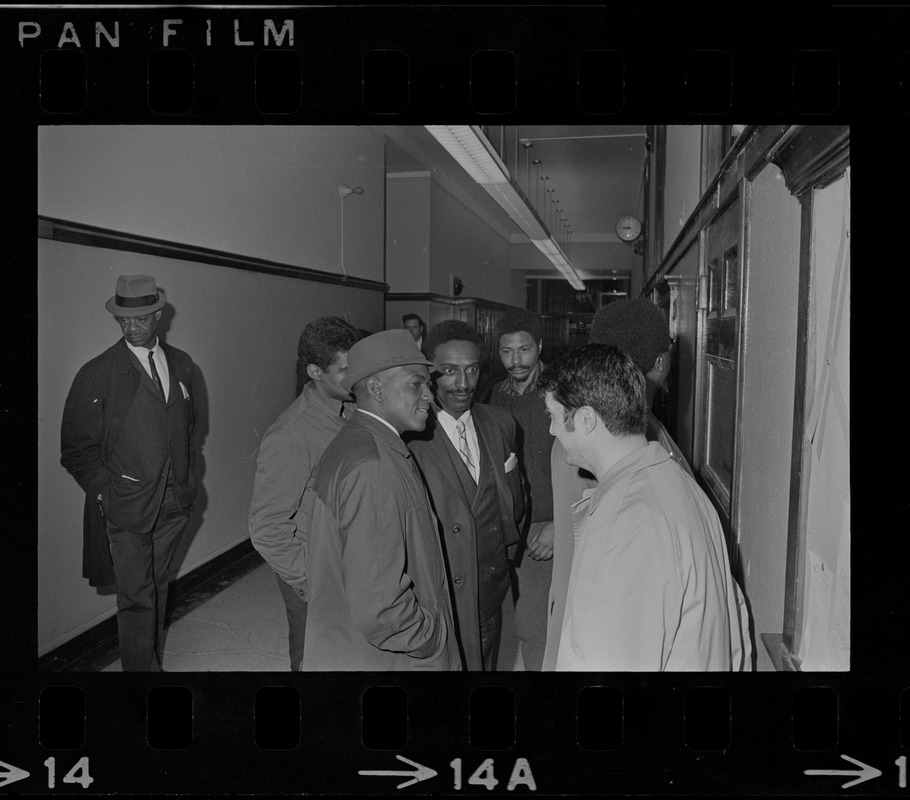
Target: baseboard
(96, 648)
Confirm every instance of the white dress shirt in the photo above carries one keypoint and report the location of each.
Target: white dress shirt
(142, 353)
(448, 422)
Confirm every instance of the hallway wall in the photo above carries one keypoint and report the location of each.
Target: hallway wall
(216, 188)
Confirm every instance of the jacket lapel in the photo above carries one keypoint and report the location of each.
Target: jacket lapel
(487, 433)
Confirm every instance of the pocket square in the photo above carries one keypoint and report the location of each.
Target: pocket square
(186, 394)
(511, 462)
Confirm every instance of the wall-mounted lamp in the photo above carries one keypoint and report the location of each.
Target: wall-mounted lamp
(347, 191)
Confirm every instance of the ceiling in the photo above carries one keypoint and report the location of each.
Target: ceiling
(594, 173)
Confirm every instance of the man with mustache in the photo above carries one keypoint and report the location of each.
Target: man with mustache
(378, 596)
(467, 455)
(518, 336)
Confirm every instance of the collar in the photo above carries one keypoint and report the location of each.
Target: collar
(143, 352)
(380, 419)
(380, 429)
(444, 415)
(334, 408)
(508, 385)
(640, 459)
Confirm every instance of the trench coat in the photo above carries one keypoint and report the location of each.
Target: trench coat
(377, 586)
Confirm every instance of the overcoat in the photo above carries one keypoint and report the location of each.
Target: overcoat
(376, 581)
(97, 404)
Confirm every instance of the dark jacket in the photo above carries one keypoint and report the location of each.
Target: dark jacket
(496, 433)
(98, 402)
(376, 580)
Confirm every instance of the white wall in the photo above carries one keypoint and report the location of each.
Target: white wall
(244, 190)
(681, 179)
(408, 233)
(264, 191)
(463, 244)
(826, 627)
(766, 424)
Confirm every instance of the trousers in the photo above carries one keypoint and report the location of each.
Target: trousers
(142, 565)
(530, 593)
(296, 609)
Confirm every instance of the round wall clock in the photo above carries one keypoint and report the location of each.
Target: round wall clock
(628, 228)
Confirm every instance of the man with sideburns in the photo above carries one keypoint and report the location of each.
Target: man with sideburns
(650, 587)
(467, 455)
(288, 454)
(127, 439)
(518, 338)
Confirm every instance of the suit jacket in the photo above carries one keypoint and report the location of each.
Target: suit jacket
(93, 415)
(496, 434)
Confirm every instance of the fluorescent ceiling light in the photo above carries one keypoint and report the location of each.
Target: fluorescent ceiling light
(471, 149)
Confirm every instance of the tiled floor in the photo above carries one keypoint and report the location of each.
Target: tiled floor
(242, 627)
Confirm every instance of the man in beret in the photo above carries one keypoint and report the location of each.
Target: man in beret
(127, 439)
(378, 596)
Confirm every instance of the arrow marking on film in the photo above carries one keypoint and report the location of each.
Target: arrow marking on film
(421, 773)
(865, 772)
(11, 774)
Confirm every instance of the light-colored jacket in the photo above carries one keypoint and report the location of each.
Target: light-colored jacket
(650, 587)
(288, 454)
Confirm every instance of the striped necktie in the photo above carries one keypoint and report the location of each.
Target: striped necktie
(464, 448)
(155, 372)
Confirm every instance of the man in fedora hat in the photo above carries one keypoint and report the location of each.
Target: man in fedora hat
(376, 582)
(127, 439)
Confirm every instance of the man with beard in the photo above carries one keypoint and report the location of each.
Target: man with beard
(467, 456)
(518, 337)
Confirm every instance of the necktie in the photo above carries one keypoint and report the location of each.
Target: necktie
(155, 372)
(464, 448)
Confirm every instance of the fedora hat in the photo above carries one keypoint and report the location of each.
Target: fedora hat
(383, 350)
(136, 295)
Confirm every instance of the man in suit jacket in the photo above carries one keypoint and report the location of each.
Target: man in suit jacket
(127, 439)
(467, 456)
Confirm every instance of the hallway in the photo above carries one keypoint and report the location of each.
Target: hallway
(233, 622)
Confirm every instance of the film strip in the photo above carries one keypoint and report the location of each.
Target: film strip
(553, 733)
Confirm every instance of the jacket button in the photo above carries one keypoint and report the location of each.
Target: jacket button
(456, 529)
(494, 528)
(458, 581)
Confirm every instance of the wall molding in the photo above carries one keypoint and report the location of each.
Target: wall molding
(60, 230)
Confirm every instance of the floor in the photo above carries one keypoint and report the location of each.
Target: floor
(237, 623)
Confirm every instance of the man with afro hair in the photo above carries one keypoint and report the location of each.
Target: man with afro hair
(518, 339)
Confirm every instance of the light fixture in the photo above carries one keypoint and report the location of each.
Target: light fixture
(471, 149)
(345, 191)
